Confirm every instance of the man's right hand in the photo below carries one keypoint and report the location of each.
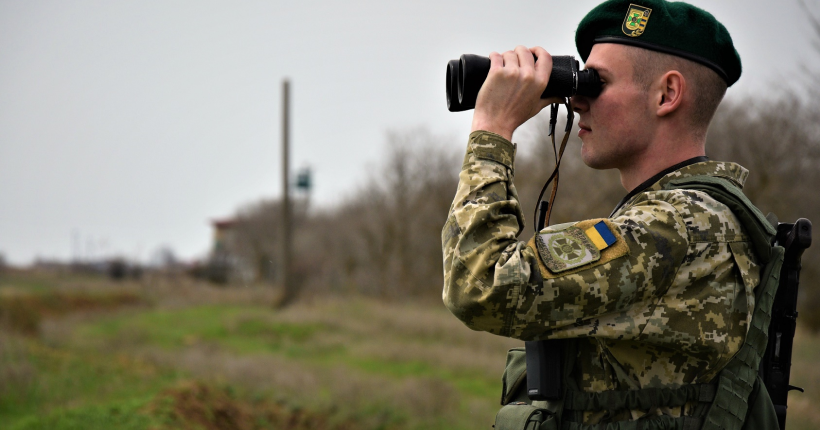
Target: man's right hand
(512, 92)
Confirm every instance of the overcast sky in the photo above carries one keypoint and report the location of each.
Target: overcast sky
(131, 124)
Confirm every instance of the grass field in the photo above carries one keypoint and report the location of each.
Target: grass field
(164, 353)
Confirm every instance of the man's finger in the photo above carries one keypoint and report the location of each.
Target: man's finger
(510, 59)
(496, 61)
(544, 63)
(524, 56)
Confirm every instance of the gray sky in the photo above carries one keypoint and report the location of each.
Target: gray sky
(131, 124)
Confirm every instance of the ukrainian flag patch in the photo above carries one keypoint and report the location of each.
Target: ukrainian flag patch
(600, 235)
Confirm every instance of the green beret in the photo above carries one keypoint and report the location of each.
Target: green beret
(675, 28)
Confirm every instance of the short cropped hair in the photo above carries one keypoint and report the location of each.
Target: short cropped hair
(707, 87)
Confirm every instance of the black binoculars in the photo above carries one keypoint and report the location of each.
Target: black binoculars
(466, 75)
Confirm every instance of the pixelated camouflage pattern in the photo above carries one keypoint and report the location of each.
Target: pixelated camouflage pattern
(671, 311)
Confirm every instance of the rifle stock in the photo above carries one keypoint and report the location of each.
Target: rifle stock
(775, 367)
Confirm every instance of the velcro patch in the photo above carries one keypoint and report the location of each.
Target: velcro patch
(599, 241)
(566, 249)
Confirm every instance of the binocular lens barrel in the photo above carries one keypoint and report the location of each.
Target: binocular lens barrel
(466, 75)
(453, 69)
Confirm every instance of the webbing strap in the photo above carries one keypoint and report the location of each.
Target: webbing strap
(520, 416)
(736, 381)
(658, 422)
(642, 399)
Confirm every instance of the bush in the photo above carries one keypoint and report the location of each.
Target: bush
(23, 312)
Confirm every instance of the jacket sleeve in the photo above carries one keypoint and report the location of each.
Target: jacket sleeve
(495, 283)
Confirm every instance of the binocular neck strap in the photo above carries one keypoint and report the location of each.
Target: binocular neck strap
(543, 210)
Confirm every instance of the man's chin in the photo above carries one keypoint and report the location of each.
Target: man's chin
(592, 161)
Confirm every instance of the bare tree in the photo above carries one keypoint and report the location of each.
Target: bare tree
(383, 241)
(812, 15)
(398, 216)
(254, 238)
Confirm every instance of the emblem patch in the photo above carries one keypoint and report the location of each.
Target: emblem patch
(566, 249)
(635, 21)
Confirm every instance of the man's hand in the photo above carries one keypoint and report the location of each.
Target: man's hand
(512, 92)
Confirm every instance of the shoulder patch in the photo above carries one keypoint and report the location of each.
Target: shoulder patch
(568, 248)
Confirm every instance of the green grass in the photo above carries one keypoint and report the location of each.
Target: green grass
(803, 412)
(121, 415)
(243, 330)
(26, 281)
(68, 388)
(91, 369)
(336, 364)
(43, 281)
(468, 383)
(255, 330)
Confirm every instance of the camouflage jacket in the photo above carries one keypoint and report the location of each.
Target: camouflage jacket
(668, 302)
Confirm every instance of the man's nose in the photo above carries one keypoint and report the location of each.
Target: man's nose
(579, 103)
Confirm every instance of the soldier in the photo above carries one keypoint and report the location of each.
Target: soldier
(661, 293)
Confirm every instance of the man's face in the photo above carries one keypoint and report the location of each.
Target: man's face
(616, 126)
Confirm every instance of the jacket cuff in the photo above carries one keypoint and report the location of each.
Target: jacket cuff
(487, 145)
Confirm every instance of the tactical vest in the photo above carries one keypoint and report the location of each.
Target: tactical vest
(723, 403)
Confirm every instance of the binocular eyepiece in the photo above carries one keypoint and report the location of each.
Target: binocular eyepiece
(466, 75)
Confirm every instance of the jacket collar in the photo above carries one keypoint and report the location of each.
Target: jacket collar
(698, 166)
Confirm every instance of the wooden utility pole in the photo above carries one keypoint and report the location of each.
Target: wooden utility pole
(288, 289)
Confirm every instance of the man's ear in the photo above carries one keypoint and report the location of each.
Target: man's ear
(671, 87)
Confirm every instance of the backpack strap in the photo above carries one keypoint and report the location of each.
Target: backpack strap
(736, 381)
(657, 422)
(643, 399)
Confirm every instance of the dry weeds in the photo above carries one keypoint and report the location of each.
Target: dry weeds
(805, 374)
(23, 311)
(17, 374)
(402, 322)
(195, 405)
(401, 333)
(312, 387)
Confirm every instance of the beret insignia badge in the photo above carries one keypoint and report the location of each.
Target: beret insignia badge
(635, 20)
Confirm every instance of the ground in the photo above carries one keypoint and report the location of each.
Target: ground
(165, 353)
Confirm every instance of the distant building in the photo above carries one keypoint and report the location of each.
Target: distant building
(248, 245)
(225, 263)
(223, 232)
